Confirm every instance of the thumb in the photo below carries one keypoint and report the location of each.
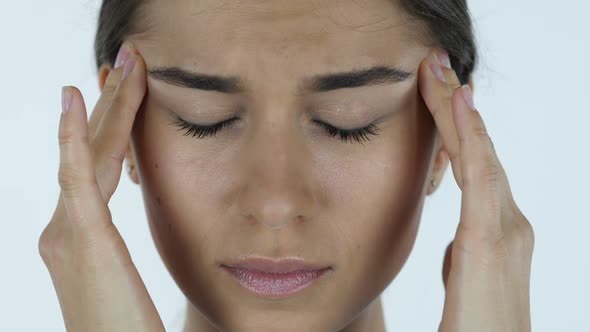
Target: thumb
(447, 263)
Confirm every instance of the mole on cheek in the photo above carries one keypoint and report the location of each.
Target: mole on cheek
(159, 200)
(156, 165)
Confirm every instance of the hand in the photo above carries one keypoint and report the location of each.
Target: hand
(97, 284)
(487, 266)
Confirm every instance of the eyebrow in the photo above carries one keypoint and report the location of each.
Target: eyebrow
(377, 75)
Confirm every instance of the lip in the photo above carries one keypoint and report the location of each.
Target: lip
(282, 265)
(273, 278)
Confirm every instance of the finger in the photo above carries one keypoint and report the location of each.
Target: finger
(104, 101)
(436, 84)
(484, 178)
(76, 177)
(114, 131)
(108, 91)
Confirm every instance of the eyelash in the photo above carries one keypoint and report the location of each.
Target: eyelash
(355, 134)
(201, 131)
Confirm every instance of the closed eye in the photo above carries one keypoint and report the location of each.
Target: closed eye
(345, 135)
(201, 131)
(356, 134)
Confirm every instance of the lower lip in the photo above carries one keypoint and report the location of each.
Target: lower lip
(274, 285)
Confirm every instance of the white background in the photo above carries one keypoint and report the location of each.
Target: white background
(531, 87)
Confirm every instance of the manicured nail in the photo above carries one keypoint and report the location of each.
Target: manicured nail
(468, 96)
(437, 71)
(443, 58)
(121, 56)
(66, 99)
(129, 65)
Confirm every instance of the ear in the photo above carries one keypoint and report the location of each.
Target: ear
(131, 165)
(103, 73)
(441, 163)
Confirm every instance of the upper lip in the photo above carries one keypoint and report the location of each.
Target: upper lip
(270, 265)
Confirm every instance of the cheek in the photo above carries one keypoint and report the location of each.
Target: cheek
(379, 200)
(178, 184)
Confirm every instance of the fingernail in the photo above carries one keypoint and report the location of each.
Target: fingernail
(468, 96)
(437, 71)
(443, 58)
(121, 56)
(129, 65)
(66, 99)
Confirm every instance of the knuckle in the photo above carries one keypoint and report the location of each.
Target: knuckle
(105, 153)
(65, 138)
(526, 231)
(486, 248)
(69, 178)
(116, 157)
(51, 245)
(484, 238)
(487, 174)
(490, 171)
(43, 246)
(522, 234)
(110, 87)
(480, 132)
(72, 178)
(476, 135)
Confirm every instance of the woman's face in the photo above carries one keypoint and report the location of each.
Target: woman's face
(274, 182)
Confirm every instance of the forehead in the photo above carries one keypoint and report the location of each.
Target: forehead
(262, 37)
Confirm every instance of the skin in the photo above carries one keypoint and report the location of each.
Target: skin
(276, 184)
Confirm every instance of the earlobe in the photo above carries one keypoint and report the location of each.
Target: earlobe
(132, 171)
(441, 162)
(131, 166)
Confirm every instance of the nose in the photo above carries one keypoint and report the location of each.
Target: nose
(276, 188)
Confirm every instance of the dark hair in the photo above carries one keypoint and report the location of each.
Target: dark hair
(117, 20)
(448, 22)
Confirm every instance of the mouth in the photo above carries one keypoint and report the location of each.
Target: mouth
(275, 278)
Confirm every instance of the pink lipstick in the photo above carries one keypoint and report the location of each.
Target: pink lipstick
(275, 278)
